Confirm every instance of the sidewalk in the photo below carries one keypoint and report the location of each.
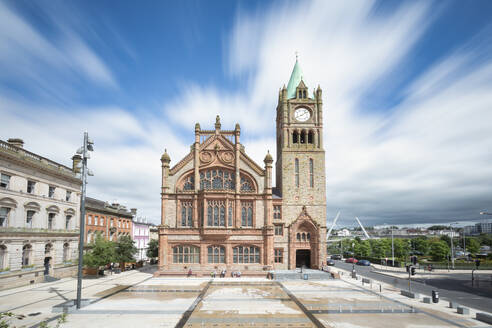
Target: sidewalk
(421, 273)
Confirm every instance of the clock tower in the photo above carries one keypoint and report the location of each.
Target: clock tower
(300, 170)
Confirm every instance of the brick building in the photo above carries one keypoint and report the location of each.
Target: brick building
(220, 210)
(110, 220)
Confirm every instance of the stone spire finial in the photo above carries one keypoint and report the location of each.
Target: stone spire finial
(268, 158)
(165, 157)
(217, 123)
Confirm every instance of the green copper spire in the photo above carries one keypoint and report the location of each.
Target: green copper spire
(295, 79)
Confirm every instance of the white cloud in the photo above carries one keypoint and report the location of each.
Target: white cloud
(425, 159)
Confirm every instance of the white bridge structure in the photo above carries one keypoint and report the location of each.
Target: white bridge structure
(366, 235)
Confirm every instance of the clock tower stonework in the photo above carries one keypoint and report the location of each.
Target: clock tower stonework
(300, 171)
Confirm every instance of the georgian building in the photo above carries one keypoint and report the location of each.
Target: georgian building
(111, 221)
(141, 237)
(220, 210)
(39, 216)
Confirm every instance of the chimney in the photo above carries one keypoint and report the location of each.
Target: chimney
(16, 142)
(134, 211)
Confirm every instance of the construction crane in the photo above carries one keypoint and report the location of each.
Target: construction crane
(332, 226)
(362, 227)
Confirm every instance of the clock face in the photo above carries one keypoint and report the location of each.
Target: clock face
(302, 114)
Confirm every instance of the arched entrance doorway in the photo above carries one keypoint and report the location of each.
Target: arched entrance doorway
(303, 258)
(48, 256)
(304, 242)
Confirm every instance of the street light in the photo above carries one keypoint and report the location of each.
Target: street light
(392, 248)
(452, 248)
(88, 146)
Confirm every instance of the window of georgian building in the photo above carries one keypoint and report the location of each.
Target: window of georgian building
(51, 220)
(30, 186)
(4, 216)
(26, 255)
(311, 173)
(216, 254)
(296, 168)
(68, 218)
(29, 217)
(246, 214)
(66, 252)
(230, 215)
(246, 254)
(3, 257)
(216, 213)
(186, 254)
(186, 213)
(51, 191)
(279, 230)
(277, 214)
(4, 181)
(279, 255)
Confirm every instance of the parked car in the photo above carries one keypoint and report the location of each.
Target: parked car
(364, 263)
(336, 257)
(330, 262)
(351, 260)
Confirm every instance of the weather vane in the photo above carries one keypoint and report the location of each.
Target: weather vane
(297, 55)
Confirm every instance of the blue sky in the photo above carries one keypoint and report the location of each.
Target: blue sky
(407, 93)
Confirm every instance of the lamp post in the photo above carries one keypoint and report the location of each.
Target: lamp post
(392, 248)
(84, 151)
(452, 247)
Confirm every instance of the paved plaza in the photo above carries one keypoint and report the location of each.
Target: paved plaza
(136, 298)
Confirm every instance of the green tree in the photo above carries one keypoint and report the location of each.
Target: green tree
(363, 248)
(401, 248)
(153, 248)
(472, 245)
(439, 249)
(421, 244)
(101, 253)
(485, 239)
(447, 239)
(125, 249)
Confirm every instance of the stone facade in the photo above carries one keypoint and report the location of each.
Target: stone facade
(220, 210)
(111, 221)
(39, 216)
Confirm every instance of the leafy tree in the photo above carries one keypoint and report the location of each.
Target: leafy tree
(472, 245)
(363, 248)
(101, 253)
(401, 248)
(485, 239)
(438, 227)
(439, 249)
(447, 239)
(125, 249)
(381, 248)
(153, 248)
(421, 244)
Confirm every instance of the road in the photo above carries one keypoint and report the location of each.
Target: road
(456, 288)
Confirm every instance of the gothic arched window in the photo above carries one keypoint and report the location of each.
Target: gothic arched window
(298, 236)
(303, 93)
(310, 137)
(186, 213)
(217, 179)
(246, 184)
(246, 254)
(295, 137)
(216, 254)
(303, 137)
(189, 183)
(186, 254)
(247, 214)
(216, 213)
(230, 217)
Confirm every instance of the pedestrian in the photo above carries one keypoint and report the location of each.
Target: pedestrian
(238, 274)
(190, 273)
(223, 273)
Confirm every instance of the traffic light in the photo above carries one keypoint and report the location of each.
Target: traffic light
(412, 270)
(414, 260)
